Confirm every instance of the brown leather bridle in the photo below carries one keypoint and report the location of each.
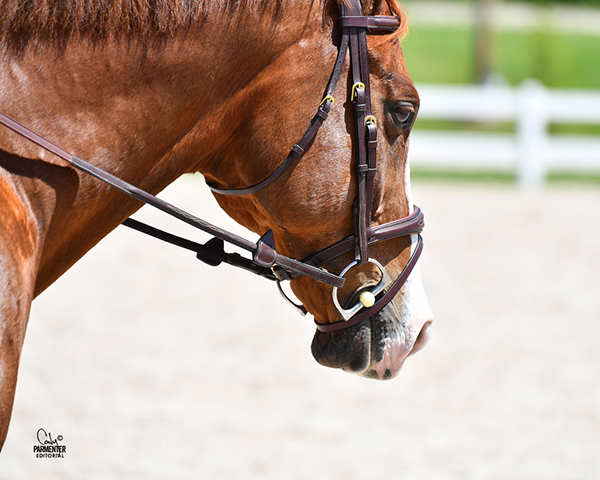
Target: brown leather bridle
(265, 259)
(355, 27)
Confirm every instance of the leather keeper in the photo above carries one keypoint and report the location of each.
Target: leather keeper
(371, 133)
(298, 150)
(370, 171)
(265, 253)
(322, 114)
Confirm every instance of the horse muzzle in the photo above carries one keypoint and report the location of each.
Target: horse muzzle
(378, 346)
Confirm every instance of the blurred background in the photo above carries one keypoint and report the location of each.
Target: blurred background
(508, 89)
(151, 365)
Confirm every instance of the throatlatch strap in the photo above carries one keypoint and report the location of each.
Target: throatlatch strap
(299, 149)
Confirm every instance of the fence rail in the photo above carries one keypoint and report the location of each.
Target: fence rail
(530, 152)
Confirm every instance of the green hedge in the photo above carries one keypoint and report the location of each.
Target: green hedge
(446, 55)
(593, 3)
(569, 2)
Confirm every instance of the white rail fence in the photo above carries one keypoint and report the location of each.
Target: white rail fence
(531, 152)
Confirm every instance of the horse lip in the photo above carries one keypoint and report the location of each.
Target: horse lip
(392, 362)
(347, 349)
(422, 338)
(383, 347)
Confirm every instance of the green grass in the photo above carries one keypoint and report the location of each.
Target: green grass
(503, 127)
(461, 176)
(445, 55)
(449, 125)
(499, 176)
(592, 3)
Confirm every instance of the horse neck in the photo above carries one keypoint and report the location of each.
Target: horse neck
(146, 114)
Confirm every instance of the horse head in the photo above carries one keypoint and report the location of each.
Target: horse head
(311, 206)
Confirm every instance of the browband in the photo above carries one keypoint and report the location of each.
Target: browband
(374, 24)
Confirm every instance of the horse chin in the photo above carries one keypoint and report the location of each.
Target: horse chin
(376, 348)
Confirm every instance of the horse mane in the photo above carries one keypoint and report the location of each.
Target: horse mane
(41, 21)
(26, 21)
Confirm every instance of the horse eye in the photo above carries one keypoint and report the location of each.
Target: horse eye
(403, 115)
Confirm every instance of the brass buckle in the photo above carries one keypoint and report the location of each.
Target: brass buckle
(370, 118)
(327, 97)
(354, 87)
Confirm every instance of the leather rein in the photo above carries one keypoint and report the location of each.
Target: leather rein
(266, 261)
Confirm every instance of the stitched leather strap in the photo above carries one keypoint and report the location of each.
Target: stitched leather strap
(413, 223)
(299, 149)
(374, 24)
(211, 253)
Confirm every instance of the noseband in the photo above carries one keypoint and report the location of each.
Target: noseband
(265, 259)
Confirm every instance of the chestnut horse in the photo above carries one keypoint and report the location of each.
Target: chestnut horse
(151, 90)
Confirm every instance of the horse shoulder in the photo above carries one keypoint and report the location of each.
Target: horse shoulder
(19, 255)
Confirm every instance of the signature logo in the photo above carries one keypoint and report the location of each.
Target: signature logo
(47, 446)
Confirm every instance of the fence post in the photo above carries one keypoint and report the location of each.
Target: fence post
(532, 134)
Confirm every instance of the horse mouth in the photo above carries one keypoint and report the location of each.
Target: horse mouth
(375, 348)
(422, 338)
